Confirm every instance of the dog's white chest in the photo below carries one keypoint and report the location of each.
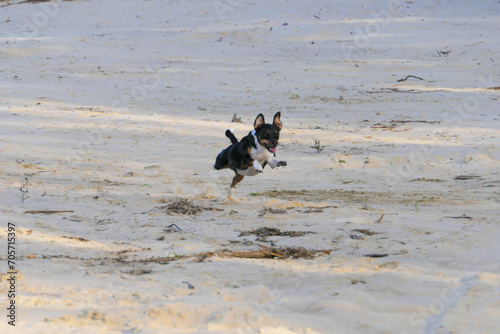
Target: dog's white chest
(260, 155)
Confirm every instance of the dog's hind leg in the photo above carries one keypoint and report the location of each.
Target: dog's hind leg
(221, 161)
(237, 179)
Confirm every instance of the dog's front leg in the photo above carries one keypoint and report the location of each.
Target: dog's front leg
(257, 166)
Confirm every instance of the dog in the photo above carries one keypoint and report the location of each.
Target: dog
(252, 153)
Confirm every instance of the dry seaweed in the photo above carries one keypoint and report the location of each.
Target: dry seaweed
(264, 232)
(424, 179)
(262, 253)
(467, 177)
(318, 209)
(280, 253)
(394, 123)
(365, 231)
(271, 210)
(138, 272)
(186, 207)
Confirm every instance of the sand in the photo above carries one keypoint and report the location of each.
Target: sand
(116, 110)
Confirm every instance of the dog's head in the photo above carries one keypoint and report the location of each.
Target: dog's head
(268, 135)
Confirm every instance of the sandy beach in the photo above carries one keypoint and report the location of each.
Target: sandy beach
(385, 219)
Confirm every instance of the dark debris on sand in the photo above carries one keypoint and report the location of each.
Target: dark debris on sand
(264, 232)
(184, 206)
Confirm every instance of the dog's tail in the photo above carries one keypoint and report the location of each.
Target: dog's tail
(231, 136)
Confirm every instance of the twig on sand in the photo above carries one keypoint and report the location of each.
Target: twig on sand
(48, 212)
(247, 255)
(380, 219)
(75, 238)
(409, 76)
(466, 177)
(190, 286)
(364, 231)
(175, 225)
(459, 217)
(377, 255)
(236, 119)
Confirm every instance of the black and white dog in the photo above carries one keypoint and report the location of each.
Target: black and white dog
(252, 153)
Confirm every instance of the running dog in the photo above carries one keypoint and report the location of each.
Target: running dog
(252, 153)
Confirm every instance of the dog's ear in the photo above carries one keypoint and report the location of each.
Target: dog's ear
(277, 121)
(259, 121)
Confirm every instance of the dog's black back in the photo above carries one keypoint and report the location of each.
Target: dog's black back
(236, 155)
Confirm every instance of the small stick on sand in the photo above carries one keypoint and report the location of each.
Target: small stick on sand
(48, 212)
(248, 255)
(380, 219)
(410, 76)
(190, 286)
(377, 255)
(459, 217)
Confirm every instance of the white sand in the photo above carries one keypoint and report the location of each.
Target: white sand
(129, 100)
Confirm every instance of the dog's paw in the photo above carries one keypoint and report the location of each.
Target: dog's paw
(281, 163)
(257, 166)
